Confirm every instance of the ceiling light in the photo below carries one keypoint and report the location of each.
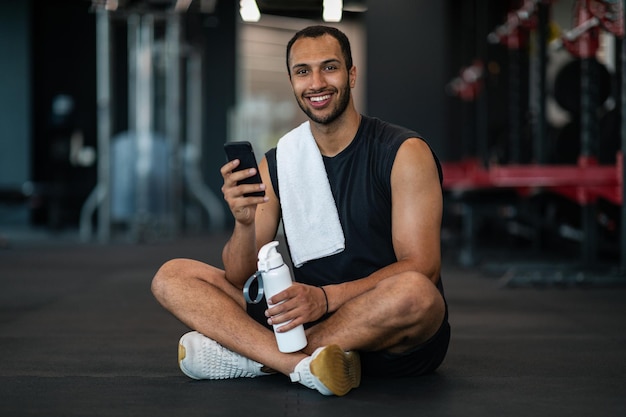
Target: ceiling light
(249, 11)
(111, 5)
(332, 10)
(354, 6)
(182, 5)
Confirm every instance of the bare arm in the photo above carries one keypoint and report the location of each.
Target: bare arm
(256, 221)
(417, 205)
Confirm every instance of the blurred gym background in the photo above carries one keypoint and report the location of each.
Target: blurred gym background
(113, 114)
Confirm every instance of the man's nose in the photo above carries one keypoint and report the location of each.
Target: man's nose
(317, 80)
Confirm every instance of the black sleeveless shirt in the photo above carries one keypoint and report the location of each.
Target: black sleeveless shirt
(360, 181)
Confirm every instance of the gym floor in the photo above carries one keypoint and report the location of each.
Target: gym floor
(81, 335)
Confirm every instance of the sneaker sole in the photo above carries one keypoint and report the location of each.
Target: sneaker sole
(339, 371)
(182, 354)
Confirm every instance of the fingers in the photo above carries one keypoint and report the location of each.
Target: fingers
(232, 179)
(295, 306)
(241, 205)
(286, 321)
(229, 167)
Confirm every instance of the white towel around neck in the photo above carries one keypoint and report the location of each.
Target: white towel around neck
(309, 211)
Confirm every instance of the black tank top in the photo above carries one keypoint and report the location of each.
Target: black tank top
(360, 181)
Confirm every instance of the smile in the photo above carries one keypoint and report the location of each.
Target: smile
(320, 98)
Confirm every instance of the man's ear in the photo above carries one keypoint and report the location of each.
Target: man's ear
(352, 76)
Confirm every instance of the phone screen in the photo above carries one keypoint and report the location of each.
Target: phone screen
(243, 151)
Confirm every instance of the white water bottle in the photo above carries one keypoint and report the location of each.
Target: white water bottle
(276, 277)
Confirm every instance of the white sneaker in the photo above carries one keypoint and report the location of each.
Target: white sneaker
(202, 358)
(329, 370)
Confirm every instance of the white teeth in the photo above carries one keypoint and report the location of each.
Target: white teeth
(322, 98)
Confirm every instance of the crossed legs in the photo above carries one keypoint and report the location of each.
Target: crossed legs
(399, 313)
(199, 295)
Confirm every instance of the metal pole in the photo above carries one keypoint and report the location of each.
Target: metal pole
(481, 105)
(540, 145)
(515, 126)
(622, 67)
(145, 123)
(173, 114)
(132, 43)
(99, 197)
(212, 204)
(103, 94)
(588, 101)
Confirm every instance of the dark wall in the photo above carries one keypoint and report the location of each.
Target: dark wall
(219, 61)
(63, 63)
(407, 64)
(476, 128)
(415, 48)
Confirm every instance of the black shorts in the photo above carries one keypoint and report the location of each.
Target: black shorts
(420, 360)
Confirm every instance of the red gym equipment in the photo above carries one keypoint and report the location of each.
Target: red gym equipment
(584, 181)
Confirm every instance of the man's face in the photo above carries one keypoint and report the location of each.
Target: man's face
(320, 80)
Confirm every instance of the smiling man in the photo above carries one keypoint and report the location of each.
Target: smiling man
(367, 270)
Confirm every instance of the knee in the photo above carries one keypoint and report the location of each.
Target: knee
(417, 300)
(165, 276)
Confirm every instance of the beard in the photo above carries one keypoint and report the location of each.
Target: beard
(337, 111)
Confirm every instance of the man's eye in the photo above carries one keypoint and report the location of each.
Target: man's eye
(301, 72)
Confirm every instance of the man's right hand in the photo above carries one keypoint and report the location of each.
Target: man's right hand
(243, 208)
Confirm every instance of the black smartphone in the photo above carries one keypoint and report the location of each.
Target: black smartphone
(243, 151)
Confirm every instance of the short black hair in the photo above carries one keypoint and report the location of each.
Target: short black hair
(318, 31)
